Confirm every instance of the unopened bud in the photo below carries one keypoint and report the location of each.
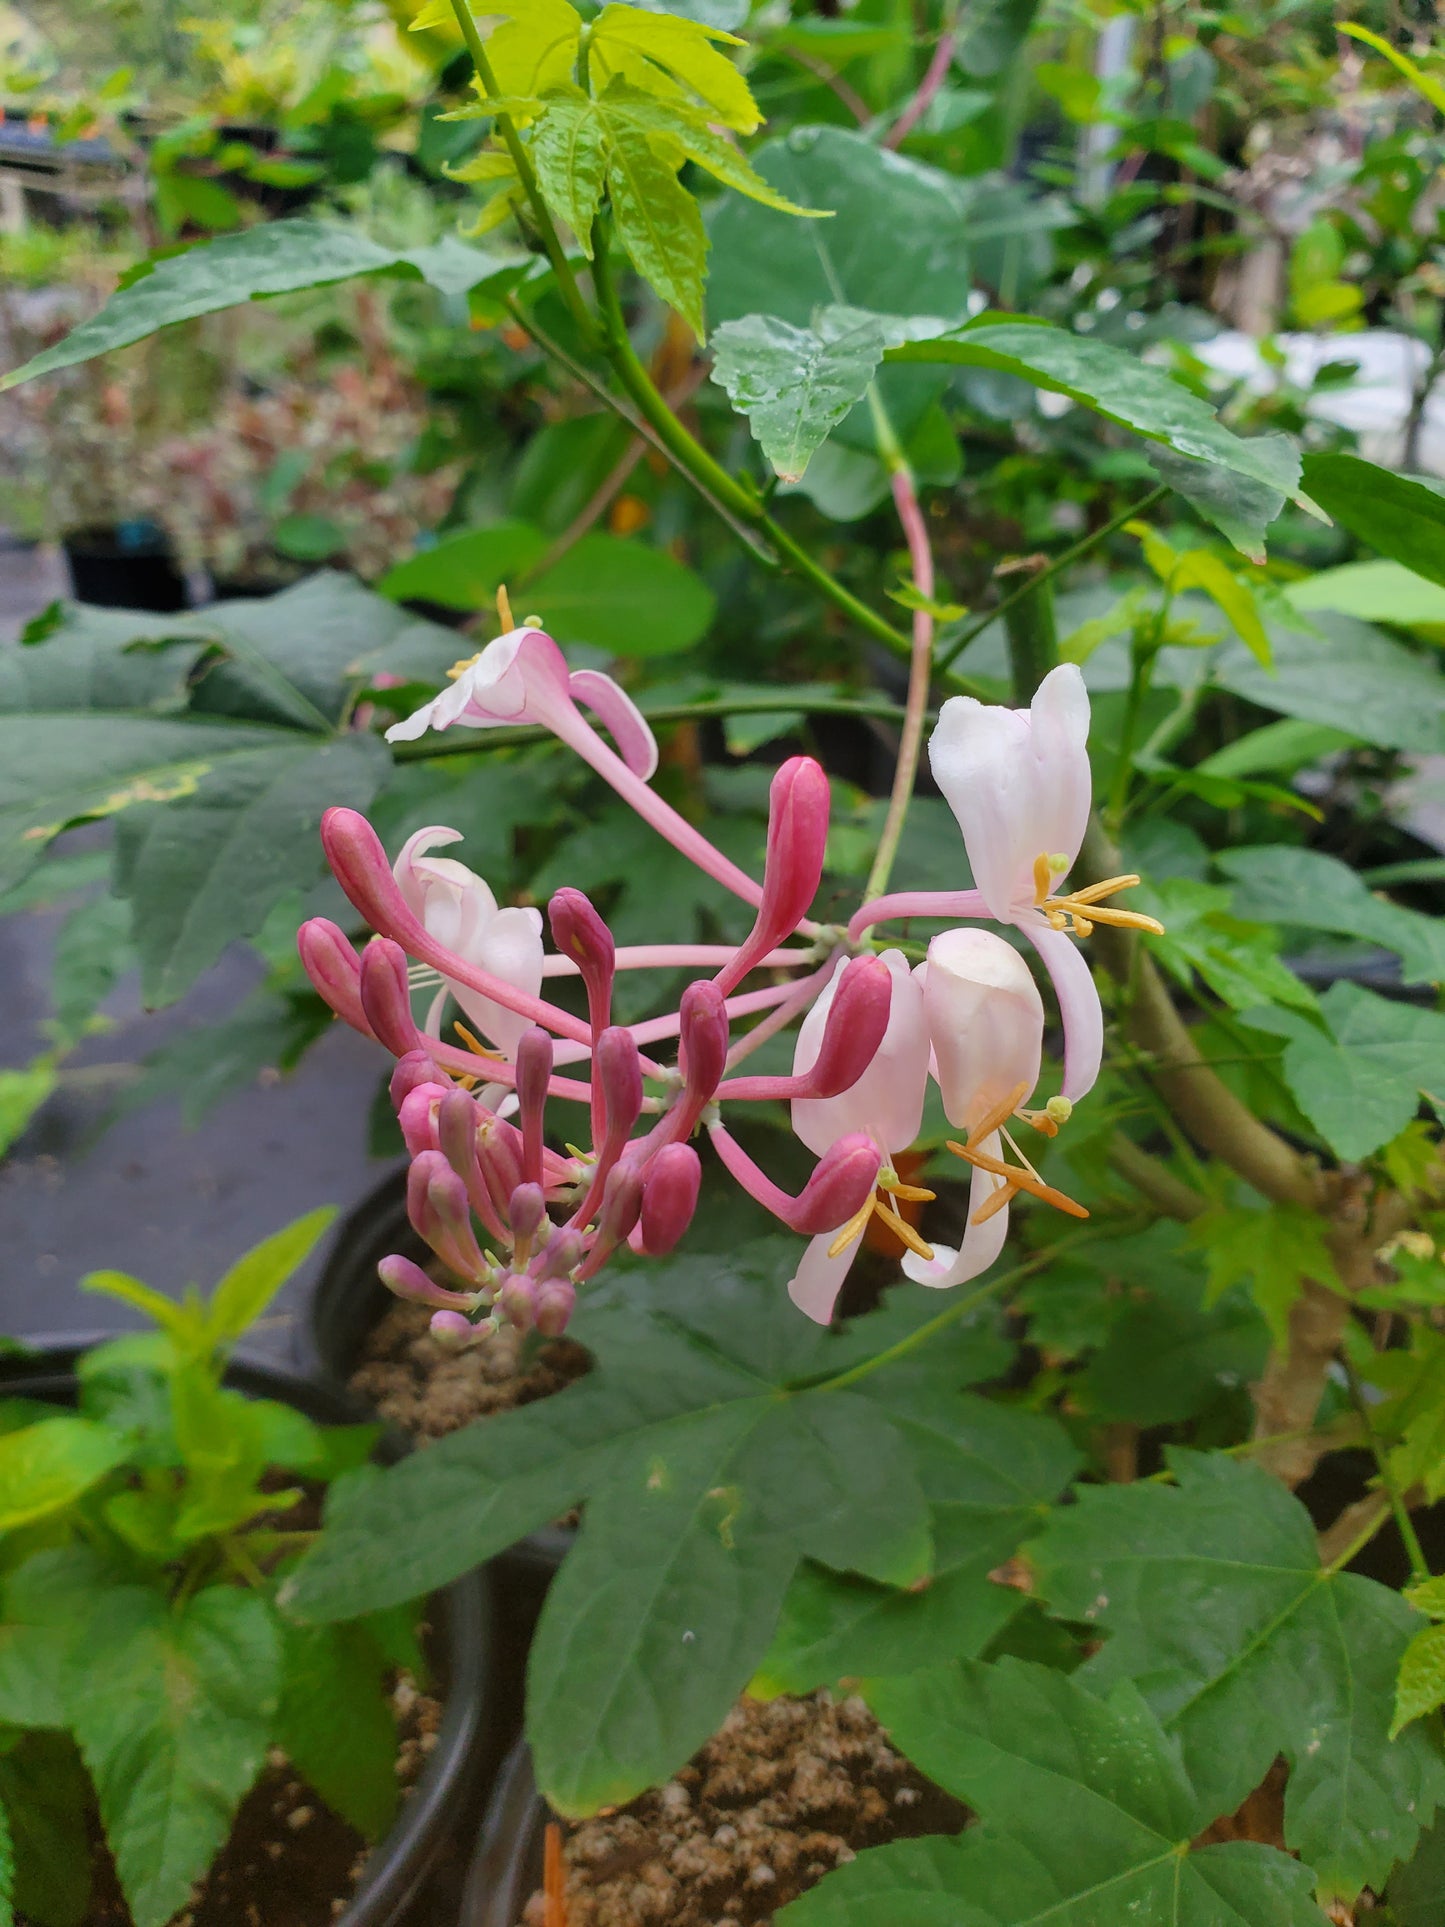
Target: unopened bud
(418, 1118)
(555, 1300)
(407, 1280)
(436, 1203)
(856, 1021)
(840, 1185)
(516, 1301)
(386, 996)
(526, 1213)
(451, 1329)
(703, 1035)
(580, 933)
(416, 1067)
(669, 1197)
(334, 968)
(534, 1072)
(618, 1071)
(621, 1205)
(797, 838)
(560, 1256)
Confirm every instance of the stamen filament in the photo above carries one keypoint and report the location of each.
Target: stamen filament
(902, 1229)
(475, 1044)
(853, 1229)
(1021, 1180)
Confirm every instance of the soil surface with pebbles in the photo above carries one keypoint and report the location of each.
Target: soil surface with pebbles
(427, 1390)
(786, 1791)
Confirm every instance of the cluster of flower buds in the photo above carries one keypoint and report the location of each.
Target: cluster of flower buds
(519, 1225)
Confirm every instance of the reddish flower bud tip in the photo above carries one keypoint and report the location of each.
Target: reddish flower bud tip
(412, 1069)
(555, 1300)
(797, 839)
(451, 1329)
(386, 996)
(669, 1197)
(516, 1301)
(619, 1076)
(457, 1118)
(406, 1280)
(621, 1204)
(417, 1117)
(579, 931)
(526, 1212)
(841, 1182)
(560, 1256)
(703, 1035)
(857, 1019)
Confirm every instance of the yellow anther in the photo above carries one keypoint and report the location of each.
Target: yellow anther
(902, 1229)
(1084, 908)
(504, 609)
(853, 1229)
(475, 1044)
(1059, 1109)
(877, 1204)
(915, 1193)
(461, 667)
(1043, 877)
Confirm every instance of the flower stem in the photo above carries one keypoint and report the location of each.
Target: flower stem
(1414, 1551)
(1028, 621)
(920, 662)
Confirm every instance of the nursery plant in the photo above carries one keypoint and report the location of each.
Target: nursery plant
(146, 1671)
(1124, 1493)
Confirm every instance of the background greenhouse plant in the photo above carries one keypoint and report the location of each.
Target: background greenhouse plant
(1253, 1303)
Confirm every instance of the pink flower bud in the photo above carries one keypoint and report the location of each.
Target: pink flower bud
(534, 1071)
(620, 1211)
(386, 996)
(556, 1299)
(418, 1118)
(618, 1071)
(459, 1119)
(580, 933)
(449, 1328)
(405, 1280)
(703, 1038)
(416, 1067)
(436, 1203)
(856, 1021)
(334, 968)
(358, 862)
(560, 1256)
(516, 1301)
(669, 1197)
(499, 1152)
(840, 1185)
(797, 837)
(526, 1214)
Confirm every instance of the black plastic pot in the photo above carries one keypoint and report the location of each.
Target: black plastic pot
(127, 567)
(506, 1868)
(346, 1304)
(414, 1873)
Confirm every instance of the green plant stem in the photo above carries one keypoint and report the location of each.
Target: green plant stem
(905, 768)
(1374, 1511)
(1154, 1180)
(511, 140)
(1033, 637)
(469, 742)
(1055, 568)
(1141, 668)
(1415, 1552)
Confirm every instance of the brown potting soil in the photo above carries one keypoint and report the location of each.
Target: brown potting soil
(786, 1791)
(289, 1861)
(427, 1390)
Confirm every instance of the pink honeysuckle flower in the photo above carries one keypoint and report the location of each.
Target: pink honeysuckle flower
(885, 1104)
(985, 1022)
(456, 907)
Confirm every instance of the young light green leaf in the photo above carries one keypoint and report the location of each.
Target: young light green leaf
(620, 594)
(1404, 519)
(1213, 1599)
(1272, 1251)
(1313, 891)
(1373, 591)
(536, 45)
(1421, 1685)
(1201, 569)
(796, 384)
(685, 49)
(335, 1721)
(47, 1466)
(1237, 959)
(1428, 1597)
(180, 1322)
(174, 1725)
(276, 258)
(680, 134)
(22, 1093)
(707, 1481)
(658, 223)
(568, 149)
(1361, 1081)
(464, 571)
(1087, 1816)
(1422, 82)
(253, 1281)
(1276, 749)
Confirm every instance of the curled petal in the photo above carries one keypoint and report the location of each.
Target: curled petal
(520, 677)
(1079, 1006)
(815, 1285)
(630, 729)
(981, 1245)
(985, 1020)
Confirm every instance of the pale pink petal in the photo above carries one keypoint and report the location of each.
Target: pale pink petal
(815, 1285)
(887, 1100)
(1060, 716)
(510, 947)
(435, 835)
(630, 729)
(985, 1021)
(1079, 1007)
(981, 1245)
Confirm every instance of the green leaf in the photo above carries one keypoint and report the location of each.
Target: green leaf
(1313, 891)
(93, 952)
(678, 134)
(1202, 569)
(1239, 506)
(122, 659)
(1087, 1816)
(22, 1093)
(617, 594)
(464, 571)
(1422, 82)
(1237, 959)
(536, 45)
(1347, 675)
(335, 1721)
(658, 223)
(1373, 591)
(1272, 1251)
(1428, 1597)
(173, 1726)
(796, 384)
(1117, 385)
(47, 1466)
(44, 1791)
(684, 49)
(201, 872)
(1415, 1889)
(32, 1661)
(275, 258)
(1214, 1601)
(1361, 1081)
(181, 1322)
(989, 1473)
(1404, 519)
(253, 1281)
(1421, 1685)
(711, 1468)
(1277, 749)
(568, 149)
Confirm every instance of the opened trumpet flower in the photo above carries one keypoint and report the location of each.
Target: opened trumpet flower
(985, 1021)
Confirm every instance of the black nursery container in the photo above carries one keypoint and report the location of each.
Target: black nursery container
(506, 1868)
(406, 1882)
(126, 567)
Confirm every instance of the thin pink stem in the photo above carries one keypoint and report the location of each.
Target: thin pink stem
(681, 956)
(801, 993)
(917, 903)
(920, 663)
(750, 1176)
(932, 80)
(492, 1070)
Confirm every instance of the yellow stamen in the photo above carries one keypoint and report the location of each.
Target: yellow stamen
(475, 1044)
(504, 609)
(998, 1116)
(461, 667)
(1004, 1194)
(1082, 908)
(902, 1229)
(1043, 877)
(915, 1193)
(1021, 1180)
(853, 1229)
